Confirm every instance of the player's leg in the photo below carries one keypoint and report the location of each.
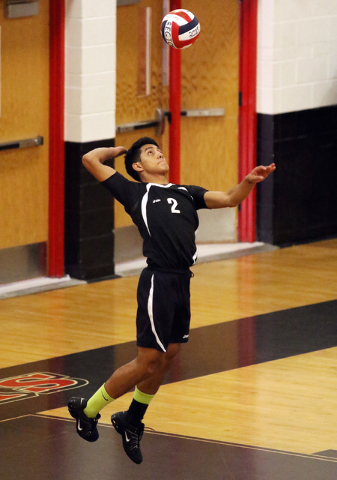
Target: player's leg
(122, 380)
(129, 424)
(163, 318)
(147, 363)
(151, 385)
(146, 390)
(155, 297)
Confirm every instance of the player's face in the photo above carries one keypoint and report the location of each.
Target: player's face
(152, 159)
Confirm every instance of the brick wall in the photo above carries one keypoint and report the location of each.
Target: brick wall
(297, 55)
(90, 106)
(90, 69)
(297, 119)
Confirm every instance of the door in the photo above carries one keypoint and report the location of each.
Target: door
(210, 79)
(24, 171)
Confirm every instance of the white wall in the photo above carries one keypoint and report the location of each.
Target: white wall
(297, 55)
(90, 70)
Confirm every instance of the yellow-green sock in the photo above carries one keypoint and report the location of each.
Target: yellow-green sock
(138, 406)
(142, 397)
(99, 400)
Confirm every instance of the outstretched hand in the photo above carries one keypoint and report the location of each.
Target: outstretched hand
(260, 173)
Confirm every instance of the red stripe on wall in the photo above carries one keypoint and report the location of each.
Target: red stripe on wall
(56, 140)
(247, 115)
(175, 107)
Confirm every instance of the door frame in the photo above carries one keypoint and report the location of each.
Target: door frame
(247, 114)
(56, 139)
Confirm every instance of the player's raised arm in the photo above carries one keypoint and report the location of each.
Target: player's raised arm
(94, 161)
(238, 194)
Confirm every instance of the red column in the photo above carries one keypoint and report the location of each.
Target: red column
(175, 107)
(56, 140)
(247, 115)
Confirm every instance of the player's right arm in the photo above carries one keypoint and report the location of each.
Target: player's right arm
(94, 161)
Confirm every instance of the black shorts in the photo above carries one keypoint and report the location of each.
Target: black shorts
(163, 314)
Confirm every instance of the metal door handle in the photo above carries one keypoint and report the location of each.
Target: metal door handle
(159, 120)
(27, 142)
(204, 112)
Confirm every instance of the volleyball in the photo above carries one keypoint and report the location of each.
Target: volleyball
(180, 29)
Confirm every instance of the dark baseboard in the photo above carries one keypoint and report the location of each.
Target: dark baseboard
(89, 217)
(298, 202)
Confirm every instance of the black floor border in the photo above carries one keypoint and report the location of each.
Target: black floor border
(259, 339)
(152, 431)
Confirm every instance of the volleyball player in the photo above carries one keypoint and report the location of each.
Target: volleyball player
(166, 216)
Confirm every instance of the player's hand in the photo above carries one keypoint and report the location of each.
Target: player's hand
(260, 173)
(117, 151)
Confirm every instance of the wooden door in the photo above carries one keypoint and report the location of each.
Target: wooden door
(131, 104)
(23, 115)
(210, 79)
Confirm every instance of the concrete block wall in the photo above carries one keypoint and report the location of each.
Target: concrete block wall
(297, 55)
(90, 105)
(297, 119)
(90, 70)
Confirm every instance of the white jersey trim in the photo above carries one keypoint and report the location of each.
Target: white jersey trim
(145, 200)
(144, 214)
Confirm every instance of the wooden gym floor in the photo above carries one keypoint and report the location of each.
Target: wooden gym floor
(251, 397)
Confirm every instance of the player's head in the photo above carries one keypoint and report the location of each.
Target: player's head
(133, 155)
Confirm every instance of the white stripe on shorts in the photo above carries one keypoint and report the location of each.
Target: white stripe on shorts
(150, 312)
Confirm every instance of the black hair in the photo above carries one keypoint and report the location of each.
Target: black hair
(133, 155)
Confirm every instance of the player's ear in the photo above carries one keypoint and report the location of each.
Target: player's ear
(138, 167)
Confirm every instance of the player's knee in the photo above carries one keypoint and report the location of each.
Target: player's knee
(149, 362)
(153, 366)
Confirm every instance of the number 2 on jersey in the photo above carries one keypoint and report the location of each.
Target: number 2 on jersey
(174, 204)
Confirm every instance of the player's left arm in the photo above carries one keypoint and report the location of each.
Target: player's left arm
(238, 194)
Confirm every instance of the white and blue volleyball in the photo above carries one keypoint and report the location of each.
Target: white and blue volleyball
(180, 29)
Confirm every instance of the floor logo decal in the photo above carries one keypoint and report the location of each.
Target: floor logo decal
(31, 385)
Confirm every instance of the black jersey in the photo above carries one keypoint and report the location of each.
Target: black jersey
(166, 217)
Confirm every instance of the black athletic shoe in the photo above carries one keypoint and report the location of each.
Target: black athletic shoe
(131, 435)
(85, 427)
